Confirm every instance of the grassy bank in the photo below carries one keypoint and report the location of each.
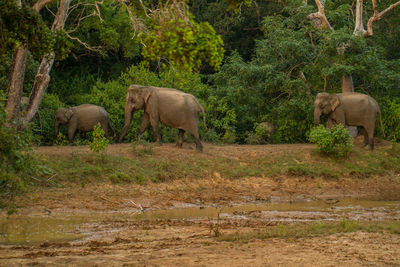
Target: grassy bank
(144, 163)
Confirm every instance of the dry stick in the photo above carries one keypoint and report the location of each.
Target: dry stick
(137, 205)
(54, 175)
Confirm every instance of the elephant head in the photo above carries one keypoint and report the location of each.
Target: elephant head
(62, 116)
(136, 98)
(324, 104)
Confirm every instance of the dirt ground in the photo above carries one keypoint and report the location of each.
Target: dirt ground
(114, 236)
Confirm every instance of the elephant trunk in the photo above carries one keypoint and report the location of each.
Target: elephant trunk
(317, 115)
(127, 122)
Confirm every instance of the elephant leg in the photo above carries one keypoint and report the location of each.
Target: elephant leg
(195, 134)
(370, 135)
(71, 134)
(180, 138)
(371, 143)
(366, 142)
(144, 124)
(154, 125)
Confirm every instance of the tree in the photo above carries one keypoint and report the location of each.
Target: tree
(142, 17)
(320, 20)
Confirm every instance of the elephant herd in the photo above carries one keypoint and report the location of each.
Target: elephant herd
(172, 107)
(180, 110)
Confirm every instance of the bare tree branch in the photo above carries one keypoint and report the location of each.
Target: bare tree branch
(359, 27)
(377, 16)
(40, 4)
(94, 48)
(137, 24)
(319, 18)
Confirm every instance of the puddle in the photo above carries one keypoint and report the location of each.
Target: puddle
(30, 230)
(310, 210)
(18, 229)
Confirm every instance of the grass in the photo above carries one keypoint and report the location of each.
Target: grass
(149, 165)
(295, 231)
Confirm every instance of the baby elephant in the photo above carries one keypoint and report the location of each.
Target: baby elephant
(82, 118)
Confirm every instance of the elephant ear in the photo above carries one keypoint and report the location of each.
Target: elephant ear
(68, 113)
(146, 94)
(334, 102)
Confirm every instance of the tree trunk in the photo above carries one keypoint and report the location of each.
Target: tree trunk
(42, 77)
(347, 84)
(16, 81)
(16, 78)
(40, 84)
(17, 71)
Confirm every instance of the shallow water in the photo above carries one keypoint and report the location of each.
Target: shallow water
(18, 229)
(347, 208)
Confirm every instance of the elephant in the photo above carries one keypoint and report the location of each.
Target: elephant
(349, 109)
(172, 107)
(82, 118)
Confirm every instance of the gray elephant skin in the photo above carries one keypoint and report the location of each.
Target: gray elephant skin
(82, 118)
(172, 107)
(349, 109)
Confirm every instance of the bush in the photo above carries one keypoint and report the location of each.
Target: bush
(391, 118)
(99, 142)
(17, 162)
(43, 125)
(335, 141)
(262, 134)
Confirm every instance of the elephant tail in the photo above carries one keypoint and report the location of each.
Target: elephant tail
(201, 109)
(383, 129)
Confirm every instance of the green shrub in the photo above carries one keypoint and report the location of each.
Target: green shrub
(335, 141)
(262, 135)
(18, 165)
(99, 142)
(391, 119)
(43, 125)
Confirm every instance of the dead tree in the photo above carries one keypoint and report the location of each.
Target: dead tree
(320, 20)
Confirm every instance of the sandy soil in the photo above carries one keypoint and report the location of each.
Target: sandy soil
(115, 240)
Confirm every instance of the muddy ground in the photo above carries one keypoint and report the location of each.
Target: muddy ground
(175, 223)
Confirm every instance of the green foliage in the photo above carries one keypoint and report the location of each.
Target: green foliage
(236, 4)
(43, 124)
(184, 44)
(391, 118)
(99, 143)
(23, 26)
(112, 35)
(335, 141)
(262, 134)
(61, 140)
(17, 162)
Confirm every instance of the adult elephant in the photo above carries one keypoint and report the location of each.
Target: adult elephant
(172, 107)
(349, 109)
(82, 118)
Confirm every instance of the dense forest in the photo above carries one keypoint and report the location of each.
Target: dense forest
(247, 62)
